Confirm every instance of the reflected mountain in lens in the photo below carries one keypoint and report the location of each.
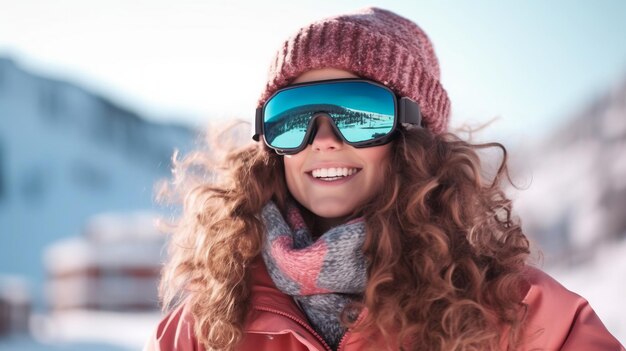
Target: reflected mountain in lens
(288, 128)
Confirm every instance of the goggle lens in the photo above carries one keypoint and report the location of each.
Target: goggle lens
(361, 111)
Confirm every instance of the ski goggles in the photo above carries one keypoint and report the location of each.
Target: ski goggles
(364, 113)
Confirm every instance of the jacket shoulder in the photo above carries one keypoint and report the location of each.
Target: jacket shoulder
(559, 319)
(175, 331)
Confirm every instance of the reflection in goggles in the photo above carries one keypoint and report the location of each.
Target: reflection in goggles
(288, 128)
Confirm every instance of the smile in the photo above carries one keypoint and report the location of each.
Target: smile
(331, 174)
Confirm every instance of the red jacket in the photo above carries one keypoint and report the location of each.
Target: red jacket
(557, 320)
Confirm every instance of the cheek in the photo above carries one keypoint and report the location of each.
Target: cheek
(378, 159)
(292, 167)
(382, 155)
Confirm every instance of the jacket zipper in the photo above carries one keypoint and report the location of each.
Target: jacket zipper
(343, 338)
(301, 322)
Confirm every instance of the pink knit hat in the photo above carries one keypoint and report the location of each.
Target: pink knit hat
(372, 43)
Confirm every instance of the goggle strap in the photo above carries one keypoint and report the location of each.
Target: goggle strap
(409, 111)
(258, 124)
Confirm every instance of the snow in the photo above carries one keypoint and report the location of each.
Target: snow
(127, 330)
(287, 138)
(573, 193)
(110, 240)
(116, 227)
(85, 330)
(27, 343)
(68, 254)
(115, 291)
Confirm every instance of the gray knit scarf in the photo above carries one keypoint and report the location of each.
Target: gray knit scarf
(322, 275)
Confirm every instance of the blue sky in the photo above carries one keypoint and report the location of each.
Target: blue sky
(528, 63)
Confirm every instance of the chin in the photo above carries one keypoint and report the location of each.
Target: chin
(332, 210)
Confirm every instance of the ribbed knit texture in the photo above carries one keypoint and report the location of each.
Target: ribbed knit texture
(322, 275)
(372, 43)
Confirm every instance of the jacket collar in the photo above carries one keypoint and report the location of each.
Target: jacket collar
(265, 294)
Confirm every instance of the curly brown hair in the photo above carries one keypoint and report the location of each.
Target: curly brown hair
(445, 253)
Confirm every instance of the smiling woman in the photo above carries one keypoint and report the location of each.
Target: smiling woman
(315, 176)
(392, 240)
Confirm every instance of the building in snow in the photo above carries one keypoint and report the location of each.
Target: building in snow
(114, 264)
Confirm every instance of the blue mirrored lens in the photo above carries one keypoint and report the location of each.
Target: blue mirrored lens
(361, 111)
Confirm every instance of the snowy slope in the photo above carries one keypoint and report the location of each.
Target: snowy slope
(85, 330)
(574, 206)
(576, 197)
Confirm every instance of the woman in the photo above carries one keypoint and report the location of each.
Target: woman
(357, 221)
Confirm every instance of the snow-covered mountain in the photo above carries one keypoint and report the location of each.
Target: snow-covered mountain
(66, 154)
(576, 197)
(573, 205)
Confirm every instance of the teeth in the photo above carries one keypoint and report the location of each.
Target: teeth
(334, 173)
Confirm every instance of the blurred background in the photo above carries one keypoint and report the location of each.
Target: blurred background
(96, 95)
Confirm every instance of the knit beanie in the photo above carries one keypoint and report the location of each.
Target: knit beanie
(374, 44)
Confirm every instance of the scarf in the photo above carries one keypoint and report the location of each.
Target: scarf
(322, 275)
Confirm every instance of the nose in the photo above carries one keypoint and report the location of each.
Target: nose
(325, 138)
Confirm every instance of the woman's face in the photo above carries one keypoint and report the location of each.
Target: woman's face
(329, 177)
